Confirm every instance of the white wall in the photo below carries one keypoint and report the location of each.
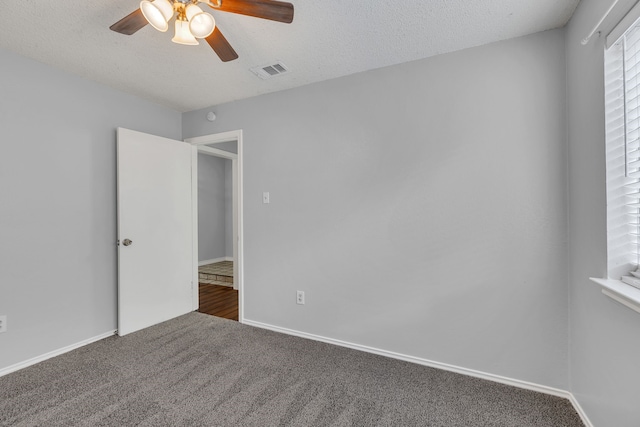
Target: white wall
(213, 207)
(450, 242)
(58, 203)
(605, 336)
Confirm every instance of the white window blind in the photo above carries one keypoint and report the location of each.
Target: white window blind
(622, 105)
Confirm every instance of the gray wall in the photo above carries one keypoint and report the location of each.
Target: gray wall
(604, 342)
(449, 244)
(213, 208)
(58, 203)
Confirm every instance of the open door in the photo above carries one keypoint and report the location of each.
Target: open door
(155, 249)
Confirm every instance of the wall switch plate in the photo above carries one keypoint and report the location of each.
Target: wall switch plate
(265, 197)
(3, 323)
(300, 297)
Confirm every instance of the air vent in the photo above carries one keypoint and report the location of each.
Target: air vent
(271, 70)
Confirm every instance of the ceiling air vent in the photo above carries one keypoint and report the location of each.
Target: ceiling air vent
(268, 71)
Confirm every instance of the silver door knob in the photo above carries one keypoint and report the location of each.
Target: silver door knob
(127, 242)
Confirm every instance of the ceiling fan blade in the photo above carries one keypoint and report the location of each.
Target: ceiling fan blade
(221, 46)
(130, 23)
(266, 9)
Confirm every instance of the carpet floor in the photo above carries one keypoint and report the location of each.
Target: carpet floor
(199, 370)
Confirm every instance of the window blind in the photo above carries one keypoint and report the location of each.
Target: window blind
(622, 105)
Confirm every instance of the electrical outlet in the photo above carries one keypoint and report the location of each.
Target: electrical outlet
(300, 297)
(3, 323)
(265, 197)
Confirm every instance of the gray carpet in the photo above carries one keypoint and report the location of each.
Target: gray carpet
(200, 370)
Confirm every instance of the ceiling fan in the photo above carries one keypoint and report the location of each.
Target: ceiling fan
(193, 23)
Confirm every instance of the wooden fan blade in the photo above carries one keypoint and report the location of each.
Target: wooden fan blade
(266, 9)
(221, 46)
(130, 23)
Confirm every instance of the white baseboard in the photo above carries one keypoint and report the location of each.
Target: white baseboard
(433, 364)
(583, 415)
(214, 260)
(54, 353)
(418, 360)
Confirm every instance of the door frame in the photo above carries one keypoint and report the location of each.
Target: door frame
(221, 154)
(238, 217)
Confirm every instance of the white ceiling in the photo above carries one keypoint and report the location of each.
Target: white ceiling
(327, 39)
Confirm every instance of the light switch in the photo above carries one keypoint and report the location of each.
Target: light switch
(265, 197)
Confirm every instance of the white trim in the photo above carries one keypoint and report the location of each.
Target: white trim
(234, 222)
(625, 294)
(621, 27)
(595, 28)
(425, 362)
(217, 152)
(240, 225)
(214, 260)
(433, 364)
(583, 415)
(195, 279)
(198, 142)
(632, 305)
(216, 138)
(54, 353)
(418, 360)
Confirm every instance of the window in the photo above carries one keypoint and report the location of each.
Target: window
(622, 107)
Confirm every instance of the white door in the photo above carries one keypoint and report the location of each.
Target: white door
(155, 258)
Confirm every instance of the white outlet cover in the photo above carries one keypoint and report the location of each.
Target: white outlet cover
(3, 323)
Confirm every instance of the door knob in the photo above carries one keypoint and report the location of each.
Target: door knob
(127, 242)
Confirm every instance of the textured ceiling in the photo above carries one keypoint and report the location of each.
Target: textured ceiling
(327, 39)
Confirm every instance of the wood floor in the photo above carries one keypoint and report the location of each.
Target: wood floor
(220, 301)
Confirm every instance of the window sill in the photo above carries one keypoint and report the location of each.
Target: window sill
(621, 292)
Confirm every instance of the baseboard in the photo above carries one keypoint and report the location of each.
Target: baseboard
(54, 353)
(214, 260)
(583, 415)
(418, 360)
(433, 364)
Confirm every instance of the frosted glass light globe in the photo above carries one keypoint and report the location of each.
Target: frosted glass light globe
(157, 13)
(183, 35)
(201, 24)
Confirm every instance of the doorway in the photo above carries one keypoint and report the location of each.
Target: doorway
(218, 261)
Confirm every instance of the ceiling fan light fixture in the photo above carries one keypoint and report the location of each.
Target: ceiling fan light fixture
(202, 25)
(192, 10)
(194, 24)
(157, 13)
(183, 35)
